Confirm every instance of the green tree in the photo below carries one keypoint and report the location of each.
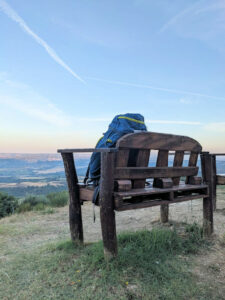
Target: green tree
(8, 204)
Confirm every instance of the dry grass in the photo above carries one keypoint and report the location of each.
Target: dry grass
(34, 260)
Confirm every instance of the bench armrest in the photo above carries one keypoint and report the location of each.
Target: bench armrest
(76, 150)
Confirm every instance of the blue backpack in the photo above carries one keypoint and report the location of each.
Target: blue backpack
(120, 125)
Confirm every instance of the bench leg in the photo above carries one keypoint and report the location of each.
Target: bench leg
(75, 217)
(207, 216)
(207, 161)
(164, 213)
(107, 213)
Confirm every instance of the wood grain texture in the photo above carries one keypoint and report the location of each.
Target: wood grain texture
(178, 162)
(86, 194)
(75, 217)
(149, 191)
(107, 214)
(163, 183)
(214, 170)
(195, 180)
(73, 150)
(192, 162)
(220, 179)
(207, 174)
(154, 172)
(141, 161)
(152, 203)
(156, 141)
(162, 161)
(122, 185)
(122, 157)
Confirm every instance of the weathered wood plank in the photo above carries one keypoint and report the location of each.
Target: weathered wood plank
(122, 157)
(154, 172)
(141, 161)
(107, 213)
(207, 174)
(149, 191)
(163, 183)
(214, 170)
(192, 162)
(156, 141)
(195, 180)
(220, 179)
(86, 194)
(75, 217)
(87, 150)
(123, 185)
(151, 203)
(178, 162)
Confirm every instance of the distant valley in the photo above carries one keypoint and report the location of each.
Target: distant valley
(38, 174)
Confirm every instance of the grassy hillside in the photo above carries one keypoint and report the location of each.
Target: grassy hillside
(38, 261)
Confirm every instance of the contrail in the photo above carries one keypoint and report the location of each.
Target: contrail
(16, 18)
(145, 86)
(174, 19)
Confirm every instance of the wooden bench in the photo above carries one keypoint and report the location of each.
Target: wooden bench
(124, 170)
(218, 179)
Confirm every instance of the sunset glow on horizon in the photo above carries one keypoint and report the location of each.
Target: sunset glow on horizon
(68, 69)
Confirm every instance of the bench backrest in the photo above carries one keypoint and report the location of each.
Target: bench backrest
(133, 156)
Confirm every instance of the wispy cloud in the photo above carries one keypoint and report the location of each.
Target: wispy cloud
(203, 20)
(30, 103)
(47, 112)
(179, 16)
(218, 127)
(144, 86)
(172, 122)
(12, 14)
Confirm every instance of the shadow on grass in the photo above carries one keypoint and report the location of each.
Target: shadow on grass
(150, 265)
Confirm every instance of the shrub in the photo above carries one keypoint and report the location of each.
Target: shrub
(32, 202)
(58, 199)
(8, 204)
(23, 207)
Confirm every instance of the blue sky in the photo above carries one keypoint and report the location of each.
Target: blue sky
(67, 67)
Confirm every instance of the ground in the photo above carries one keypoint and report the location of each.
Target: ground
(23, 233)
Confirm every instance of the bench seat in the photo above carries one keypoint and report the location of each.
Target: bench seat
(149, 196)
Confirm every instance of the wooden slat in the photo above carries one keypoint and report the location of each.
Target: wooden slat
(192, 162)
(220, 179)
(141, 161)
(122, 157)
(195, 180)
(122, 185)
(156, 141)
(87, 150)
(154, 172)
(150, 191)
(86, 194)
(151, 203)
(162, 160)
(163, 183)
(178, 162)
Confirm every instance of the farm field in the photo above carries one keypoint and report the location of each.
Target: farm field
(40, 174)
